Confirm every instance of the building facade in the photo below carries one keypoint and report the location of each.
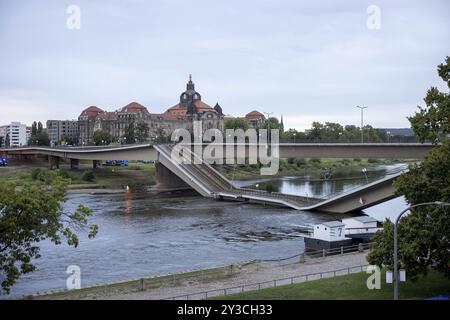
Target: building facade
(14, 134)
(161, 125)
(62, 131)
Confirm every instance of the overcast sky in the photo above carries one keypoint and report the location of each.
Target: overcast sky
(313, 61)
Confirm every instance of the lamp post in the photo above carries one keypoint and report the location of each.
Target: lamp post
(295, 133)
(268, 114)
(436, 203)
(362, 122)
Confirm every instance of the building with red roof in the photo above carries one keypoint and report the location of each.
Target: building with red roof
(189, 108)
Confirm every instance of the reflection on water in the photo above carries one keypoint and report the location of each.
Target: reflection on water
(142, 233)
(319, 188)
(128, 201)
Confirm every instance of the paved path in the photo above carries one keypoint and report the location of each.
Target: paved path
(250, 274)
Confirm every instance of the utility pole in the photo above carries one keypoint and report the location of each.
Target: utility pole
(362, 122)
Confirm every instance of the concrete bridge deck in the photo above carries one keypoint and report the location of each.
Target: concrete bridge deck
(210, 183)
(286, 150)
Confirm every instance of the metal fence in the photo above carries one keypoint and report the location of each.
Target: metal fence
(269, 284)
(200, 275)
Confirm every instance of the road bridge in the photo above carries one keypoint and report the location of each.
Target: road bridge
(208, 182)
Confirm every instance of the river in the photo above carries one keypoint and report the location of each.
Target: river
(143, 233)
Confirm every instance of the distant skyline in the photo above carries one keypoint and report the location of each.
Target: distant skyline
(306, 61)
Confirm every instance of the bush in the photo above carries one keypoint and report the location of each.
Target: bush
(35, 173)
(372, 160)
(88, 176)
(271, 188)
(357, 159)
(291, 160)
(64, 174)
(300, 162)
(345, 162)
(315, 160)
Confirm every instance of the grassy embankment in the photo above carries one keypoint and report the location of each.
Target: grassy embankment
(134, 174)
(311, 167)
(351, 287)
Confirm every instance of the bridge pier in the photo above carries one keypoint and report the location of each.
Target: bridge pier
(53, 162)
(96, 164)
(74, 163)
(166, 179)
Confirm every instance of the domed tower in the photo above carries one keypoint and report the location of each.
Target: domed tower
(190, 94)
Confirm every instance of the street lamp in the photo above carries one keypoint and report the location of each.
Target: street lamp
(362, 122)
(295, 133)
(268, 114)
(436, 203)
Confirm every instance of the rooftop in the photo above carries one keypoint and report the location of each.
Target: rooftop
(333, 224)
(364, 219)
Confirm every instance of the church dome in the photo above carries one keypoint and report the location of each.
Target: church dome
(91, 112)
(190, 93)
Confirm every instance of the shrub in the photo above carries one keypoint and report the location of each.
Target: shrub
(315, 160)
(300, 162)
(291, 160)
(64, 174)
(271, 188)
(35, 173)
(345, 162)
(88, 176)
(357, 159)
(372, 160)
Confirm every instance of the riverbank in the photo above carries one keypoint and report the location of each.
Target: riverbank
(310, 168)
(155, 288)
(85, 179)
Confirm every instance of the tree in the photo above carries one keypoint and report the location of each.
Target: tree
(142, 132)
(432, 122)
(102, 137)
(315, 134)
(423, 235)
(69, 140)
(236, 124)
(292, 135)
(34, 128)
(40, 128)
(130, 133)
(40, 139)
(272, 123)
(32, 214)
(160, 136)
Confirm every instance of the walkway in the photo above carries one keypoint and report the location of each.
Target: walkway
(250, 274)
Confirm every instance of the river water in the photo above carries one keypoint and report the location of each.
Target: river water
(143, 233)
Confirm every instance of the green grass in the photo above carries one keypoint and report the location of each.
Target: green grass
(135, 173)
(311, 167)
(350, 287)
